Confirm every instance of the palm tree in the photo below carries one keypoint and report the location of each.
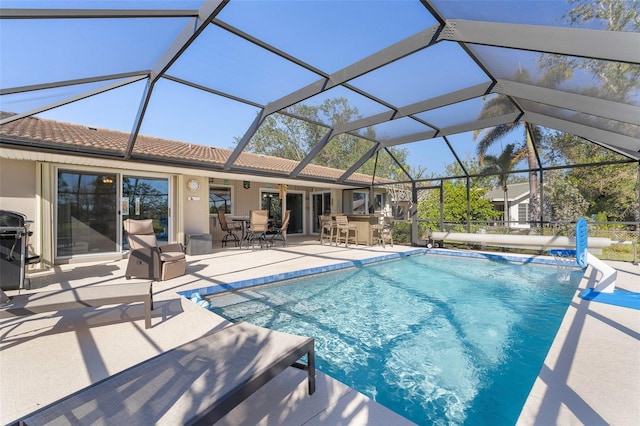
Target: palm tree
(501, 105)
(501, 166)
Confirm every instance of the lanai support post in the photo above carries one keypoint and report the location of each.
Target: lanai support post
(468, 205)
(413, 214)
(541, 201)
(441, 205)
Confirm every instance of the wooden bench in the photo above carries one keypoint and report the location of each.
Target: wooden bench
(81, 297)
(196, 383)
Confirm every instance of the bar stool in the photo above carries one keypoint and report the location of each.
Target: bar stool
(376, 234)
(344, 228)
(386, 234)
(327, 229)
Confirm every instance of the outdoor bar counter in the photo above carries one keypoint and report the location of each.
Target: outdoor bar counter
(364, 222)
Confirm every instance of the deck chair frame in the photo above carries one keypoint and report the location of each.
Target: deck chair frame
(81, 297)
(196, 383)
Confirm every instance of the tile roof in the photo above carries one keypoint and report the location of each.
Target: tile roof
(66, 136)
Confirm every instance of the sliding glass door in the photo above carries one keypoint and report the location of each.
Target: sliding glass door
(294, 201)
(91, 206)
(146, 197)
(87, 220)
(320, 204)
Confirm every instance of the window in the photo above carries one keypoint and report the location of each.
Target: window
(379, 202)
(523, 213)
(360, 202)
(219, 199)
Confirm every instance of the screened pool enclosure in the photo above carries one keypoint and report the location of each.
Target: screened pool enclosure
(412, 93)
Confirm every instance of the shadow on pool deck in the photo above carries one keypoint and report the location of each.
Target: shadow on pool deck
(591, 374)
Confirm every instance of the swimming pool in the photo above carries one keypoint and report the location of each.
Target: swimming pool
(438, 339)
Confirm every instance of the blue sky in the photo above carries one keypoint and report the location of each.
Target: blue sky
(326, 35)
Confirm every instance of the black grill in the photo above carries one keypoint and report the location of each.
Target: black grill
(14, 254)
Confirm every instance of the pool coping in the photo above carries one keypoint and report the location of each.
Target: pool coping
(300, 273)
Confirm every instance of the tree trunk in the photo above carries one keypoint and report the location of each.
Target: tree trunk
(534, 202)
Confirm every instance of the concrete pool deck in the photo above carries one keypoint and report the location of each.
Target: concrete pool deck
(591, 375)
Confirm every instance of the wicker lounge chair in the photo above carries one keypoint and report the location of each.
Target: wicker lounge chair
(147, 259)
(196, 383)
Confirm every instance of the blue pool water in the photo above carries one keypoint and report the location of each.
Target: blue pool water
(440, 340)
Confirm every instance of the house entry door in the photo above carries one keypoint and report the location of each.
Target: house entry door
(294, 201)
(320, 204)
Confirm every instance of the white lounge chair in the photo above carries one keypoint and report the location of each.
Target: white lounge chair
(196, 383)
(81, 297)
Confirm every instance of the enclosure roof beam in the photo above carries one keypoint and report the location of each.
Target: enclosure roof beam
(585, 43)
(72, 99)
(358, 164)
(13, 13)
(625, 145)
(190, 32)
(385, 56)
(571, 101)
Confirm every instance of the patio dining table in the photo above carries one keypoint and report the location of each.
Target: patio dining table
(244, 221)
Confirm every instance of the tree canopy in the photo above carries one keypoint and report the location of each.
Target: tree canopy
(455, 205)
(285, 136)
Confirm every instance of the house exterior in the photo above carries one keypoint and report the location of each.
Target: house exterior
(77, 199)
(518, 199)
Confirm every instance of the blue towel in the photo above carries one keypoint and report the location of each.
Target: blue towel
(624, 298)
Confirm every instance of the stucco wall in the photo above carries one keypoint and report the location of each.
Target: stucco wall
(18, 193)
(18, 187)
(196, 207)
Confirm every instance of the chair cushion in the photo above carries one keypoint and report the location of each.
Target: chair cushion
(142, 241)
(134, 226)
(171, 256)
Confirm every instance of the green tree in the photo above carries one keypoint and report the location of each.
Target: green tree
(563, 200)
(500, 105)
(284, 136)
(455, 205)
(615, 81)
(501, 166)
(616, 15)
(609, 189)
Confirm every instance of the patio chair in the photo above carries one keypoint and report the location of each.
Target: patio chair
(343, 230)
(258, 227)
(229, 229)
(381, 232)
(376, 233)
(280, 233)
(196, 383)
(146, 258)
(327, 228)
